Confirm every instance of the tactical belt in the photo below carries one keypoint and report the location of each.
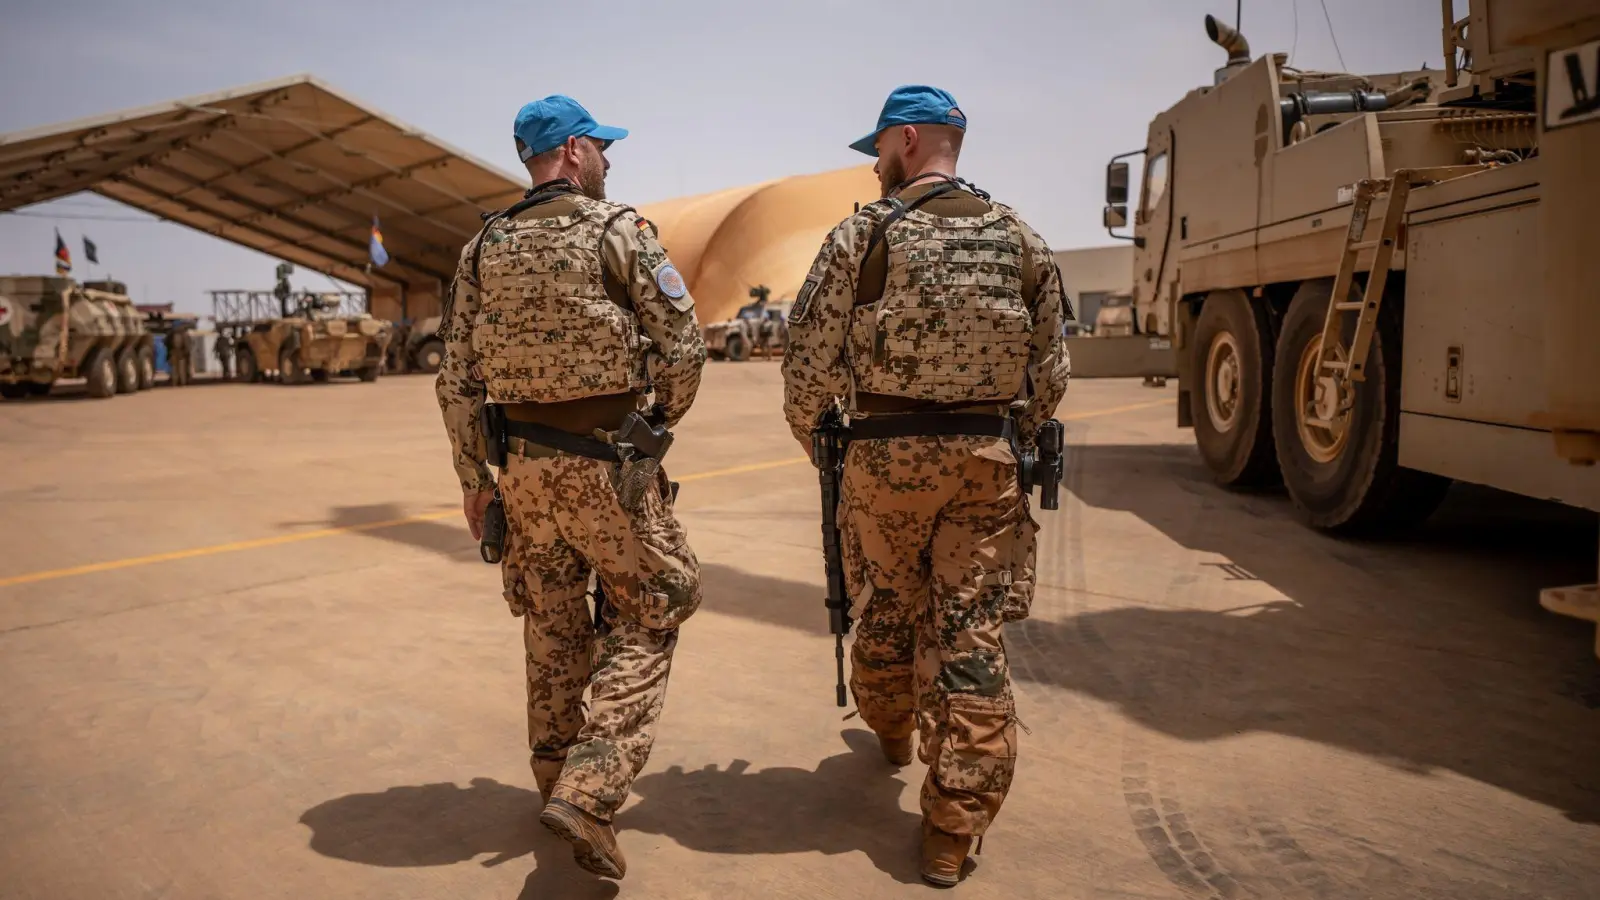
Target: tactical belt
(932, 425)
(564, 441)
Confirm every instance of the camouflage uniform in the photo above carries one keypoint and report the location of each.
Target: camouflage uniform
(178, 361)
(564, 518)
(938, 537)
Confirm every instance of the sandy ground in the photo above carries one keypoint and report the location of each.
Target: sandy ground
(247, 649)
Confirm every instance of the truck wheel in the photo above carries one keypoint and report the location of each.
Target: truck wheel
(101, 371)
(14, 391)
(146, 359)
(430, 356)
(1345, 478)
(737, 348)
(289, 369)
(127, 372)
(320, 376)
(245, 365)
(37, 388)
(1230, 403)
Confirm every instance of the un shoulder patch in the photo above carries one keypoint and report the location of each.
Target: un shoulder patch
(802, 302)
(670, 282)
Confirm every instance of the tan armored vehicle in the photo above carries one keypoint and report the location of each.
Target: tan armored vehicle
(314, 345)
(758, 328)
(1114, 318)
(53, 328)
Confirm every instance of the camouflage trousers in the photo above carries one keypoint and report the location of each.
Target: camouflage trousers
(939, 548)
(564, 522)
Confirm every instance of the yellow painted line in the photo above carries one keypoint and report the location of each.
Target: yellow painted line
(1089, 414)
(214, 549)
(279, 540)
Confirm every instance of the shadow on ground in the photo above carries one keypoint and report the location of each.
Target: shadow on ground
(1429, 653)
(444, 824)
(849, 803)
(446, 538)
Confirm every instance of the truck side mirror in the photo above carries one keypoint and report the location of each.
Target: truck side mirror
(1117, 184)
(1115, 217)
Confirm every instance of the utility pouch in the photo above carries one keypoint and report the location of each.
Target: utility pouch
(493, 421)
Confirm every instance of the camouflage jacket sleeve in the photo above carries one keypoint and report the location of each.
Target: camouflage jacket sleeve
(461, 391)
(815, 370)
(678, 351)
(1048, 365)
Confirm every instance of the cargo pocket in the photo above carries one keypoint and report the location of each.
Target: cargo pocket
(1018, 600)
(668, 573)
(518, 592)
(979, 751)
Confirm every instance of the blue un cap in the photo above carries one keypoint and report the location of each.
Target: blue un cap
(913, 104)
(546, 124)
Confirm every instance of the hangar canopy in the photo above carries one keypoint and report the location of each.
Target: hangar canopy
(291, 168)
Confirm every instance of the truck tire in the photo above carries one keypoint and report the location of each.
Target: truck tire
(1231, 400)
(320, 376)
(1346, 480)
(14, 391)
(290, 371)
(430, 356)
(736, 348)
(127, 371)
(101, 371)
(146, 359)
(245, 364)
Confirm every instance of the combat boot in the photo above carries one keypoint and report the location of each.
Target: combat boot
(594, 843)
(896, 750)
(943, 855)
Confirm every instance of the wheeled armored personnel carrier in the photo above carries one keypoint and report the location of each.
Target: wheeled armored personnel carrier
(53, 328)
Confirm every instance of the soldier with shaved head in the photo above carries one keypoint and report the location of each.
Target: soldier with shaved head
(569, 322)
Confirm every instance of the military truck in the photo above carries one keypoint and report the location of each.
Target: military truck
(53, 328)
(1358, 271)
(313, 338)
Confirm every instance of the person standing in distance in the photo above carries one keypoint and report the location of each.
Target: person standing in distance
(566, 314)
(934, 316)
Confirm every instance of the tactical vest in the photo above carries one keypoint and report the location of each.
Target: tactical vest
(952, 324)
(546, 331)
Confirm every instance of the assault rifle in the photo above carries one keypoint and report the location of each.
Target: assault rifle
(829, 441)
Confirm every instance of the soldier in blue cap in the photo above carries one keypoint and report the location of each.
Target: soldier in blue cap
(933, 317)
(571, 347)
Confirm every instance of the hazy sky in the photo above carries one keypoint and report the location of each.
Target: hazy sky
(717, 93)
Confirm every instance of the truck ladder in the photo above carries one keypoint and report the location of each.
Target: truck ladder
(1334, 373)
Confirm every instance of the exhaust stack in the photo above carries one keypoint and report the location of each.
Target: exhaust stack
(1232, 41)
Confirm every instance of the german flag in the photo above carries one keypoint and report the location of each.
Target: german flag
(63, 256)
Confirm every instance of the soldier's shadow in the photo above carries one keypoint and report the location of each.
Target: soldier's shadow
(849, 803)
(444, 824)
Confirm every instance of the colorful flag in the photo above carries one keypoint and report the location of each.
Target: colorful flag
(89, 251)
(380, 256)
(63, 256)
